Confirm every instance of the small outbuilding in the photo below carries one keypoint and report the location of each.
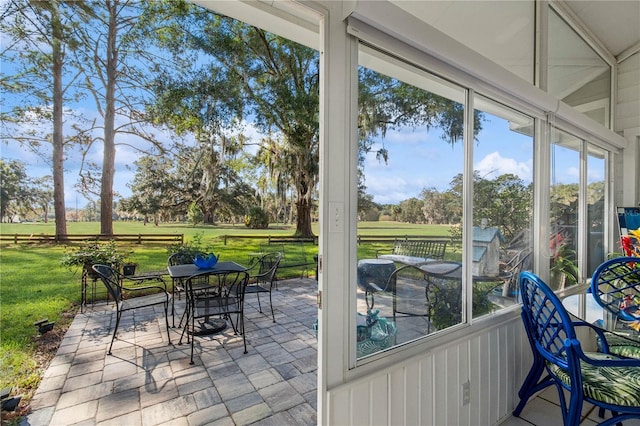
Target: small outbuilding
(486, 251)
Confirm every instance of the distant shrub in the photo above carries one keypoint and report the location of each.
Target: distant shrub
(256, 218)
(372, 215)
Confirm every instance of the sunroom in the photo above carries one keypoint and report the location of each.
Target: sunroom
(548, 91)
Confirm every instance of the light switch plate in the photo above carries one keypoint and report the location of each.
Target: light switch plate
(336, 217)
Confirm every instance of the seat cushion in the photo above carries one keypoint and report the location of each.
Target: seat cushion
(618, 345)
(612, 385)
(143, 301)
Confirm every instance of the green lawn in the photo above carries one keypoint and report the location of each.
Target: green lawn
(33, 284)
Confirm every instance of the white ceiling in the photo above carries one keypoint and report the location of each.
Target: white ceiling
(616, 23)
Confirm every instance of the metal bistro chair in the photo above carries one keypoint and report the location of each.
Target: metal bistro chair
(432, 290)
(602, 379)
(178, 285)
(266, 279)
(223, 300)
(114, 281)
(615, 286)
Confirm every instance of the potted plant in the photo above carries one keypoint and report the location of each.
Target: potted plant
(129, 267)
(90, 253)
(563, 262)
(192, 247)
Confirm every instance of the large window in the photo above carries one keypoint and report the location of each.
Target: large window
(415, 273)
(410, 204)
(502, 205)
(596, 189)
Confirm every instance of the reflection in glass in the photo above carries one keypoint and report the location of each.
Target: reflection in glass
(576, 73)
(409, 272)
(563, 215)
(595, 208)
(502, 205)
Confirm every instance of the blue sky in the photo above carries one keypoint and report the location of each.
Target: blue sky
(418, 159)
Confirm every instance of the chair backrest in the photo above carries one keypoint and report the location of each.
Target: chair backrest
(438, 292)
(548, 324)
(616, 286)
(226, 286)
(269, 264)
(111, 279)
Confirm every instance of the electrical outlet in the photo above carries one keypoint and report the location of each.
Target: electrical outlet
(466, 393)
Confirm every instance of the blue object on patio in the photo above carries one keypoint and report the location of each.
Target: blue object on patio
(205, 262)
(374, 333)
(602, 379)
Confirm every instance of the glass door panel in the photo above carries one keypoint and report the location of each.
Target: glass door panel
(410, 166)
(596, 189)
(563, 213)
(502, 205)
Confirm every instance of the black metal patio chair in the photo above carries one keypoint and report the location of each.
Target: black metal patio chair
(208, 308)
(265, 280)
(123, 295)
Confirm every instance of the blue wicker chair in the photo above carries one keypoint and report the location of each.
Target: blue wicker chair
(615, 285)
(602, 379)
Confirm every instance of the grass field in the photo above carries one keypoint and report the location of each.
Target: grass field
(33, 284)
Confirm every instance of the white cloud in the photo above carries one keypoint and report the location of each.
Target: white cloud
(393, 188)
(494, 164)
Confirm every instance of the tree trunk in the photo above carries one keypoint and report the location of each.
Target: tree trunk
(108, 163)
(303, 224)
(57, 137)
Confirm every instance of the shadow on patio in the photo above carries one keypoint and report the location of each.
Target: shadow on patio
(148, 382)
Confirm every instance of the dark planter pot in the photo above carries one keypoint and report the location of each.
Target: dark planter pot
(90, 272)
(129, 270)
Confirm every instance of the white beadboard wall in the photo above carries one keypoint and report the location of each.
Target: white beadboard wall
(627, 123)
(428, 390)
(628, 102)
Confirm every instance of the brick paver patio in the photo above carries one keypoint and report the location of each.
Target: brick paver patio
(149, 382)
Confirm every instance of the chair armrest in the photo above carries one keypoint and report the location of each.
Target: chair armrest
(373, 286)
(135, 287)
(618, 362)
(598, 331)
(383, 251)
(138, 280)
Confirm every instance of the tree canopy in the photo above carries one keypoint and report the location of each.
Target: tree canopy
(203, 76)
